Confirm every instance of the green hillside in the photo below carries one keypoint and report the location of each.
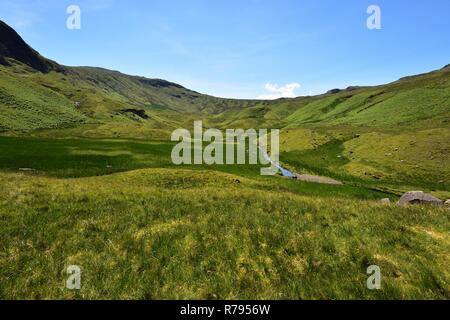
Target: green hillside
(109, 97)
(420, 102)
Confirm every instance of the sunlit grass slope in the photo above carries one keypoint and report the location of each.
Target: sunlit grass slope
(421, 101)
(171, 233)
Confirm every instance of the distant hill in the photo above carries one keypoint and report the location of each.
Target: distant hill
(37, 93)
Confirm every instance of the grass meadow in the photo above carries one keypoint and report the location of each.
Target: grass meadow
(142, 228)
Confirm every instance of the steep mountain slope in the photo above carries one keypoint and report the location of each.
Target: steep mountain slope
(28, 105)
(86, 95)
(12, 46)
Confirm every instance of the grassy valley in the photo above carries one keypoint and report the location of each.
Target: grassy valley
(86, 179)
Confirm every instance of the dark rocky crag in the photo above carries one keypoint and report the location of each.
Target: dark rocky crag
(14, 47)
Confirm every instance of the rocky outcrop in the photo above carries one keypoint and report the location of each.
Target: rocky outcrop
(334, 91)
(418, 197)
(140, 113)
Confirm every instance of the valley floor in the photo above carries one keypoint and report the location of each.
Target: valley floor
(141, 228)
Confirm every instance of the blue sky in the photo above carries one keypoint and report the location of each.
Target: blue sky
(242, 48)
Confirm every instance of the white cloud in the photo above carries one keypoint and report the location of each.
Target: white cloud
(276, 92)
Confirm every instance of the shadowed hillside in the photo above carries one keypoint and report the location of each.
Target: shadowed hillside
(12, 46)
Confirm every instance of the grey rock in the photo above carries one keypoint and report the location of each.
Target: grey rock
(385, 200)
(447, 203)
(418, 197)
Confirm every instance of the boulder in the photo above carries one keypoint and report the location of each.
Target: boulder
(418, 197)
(447, 203)
(385, 200)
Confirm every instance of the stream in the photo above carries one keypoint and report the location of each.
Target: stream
(284, 172)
